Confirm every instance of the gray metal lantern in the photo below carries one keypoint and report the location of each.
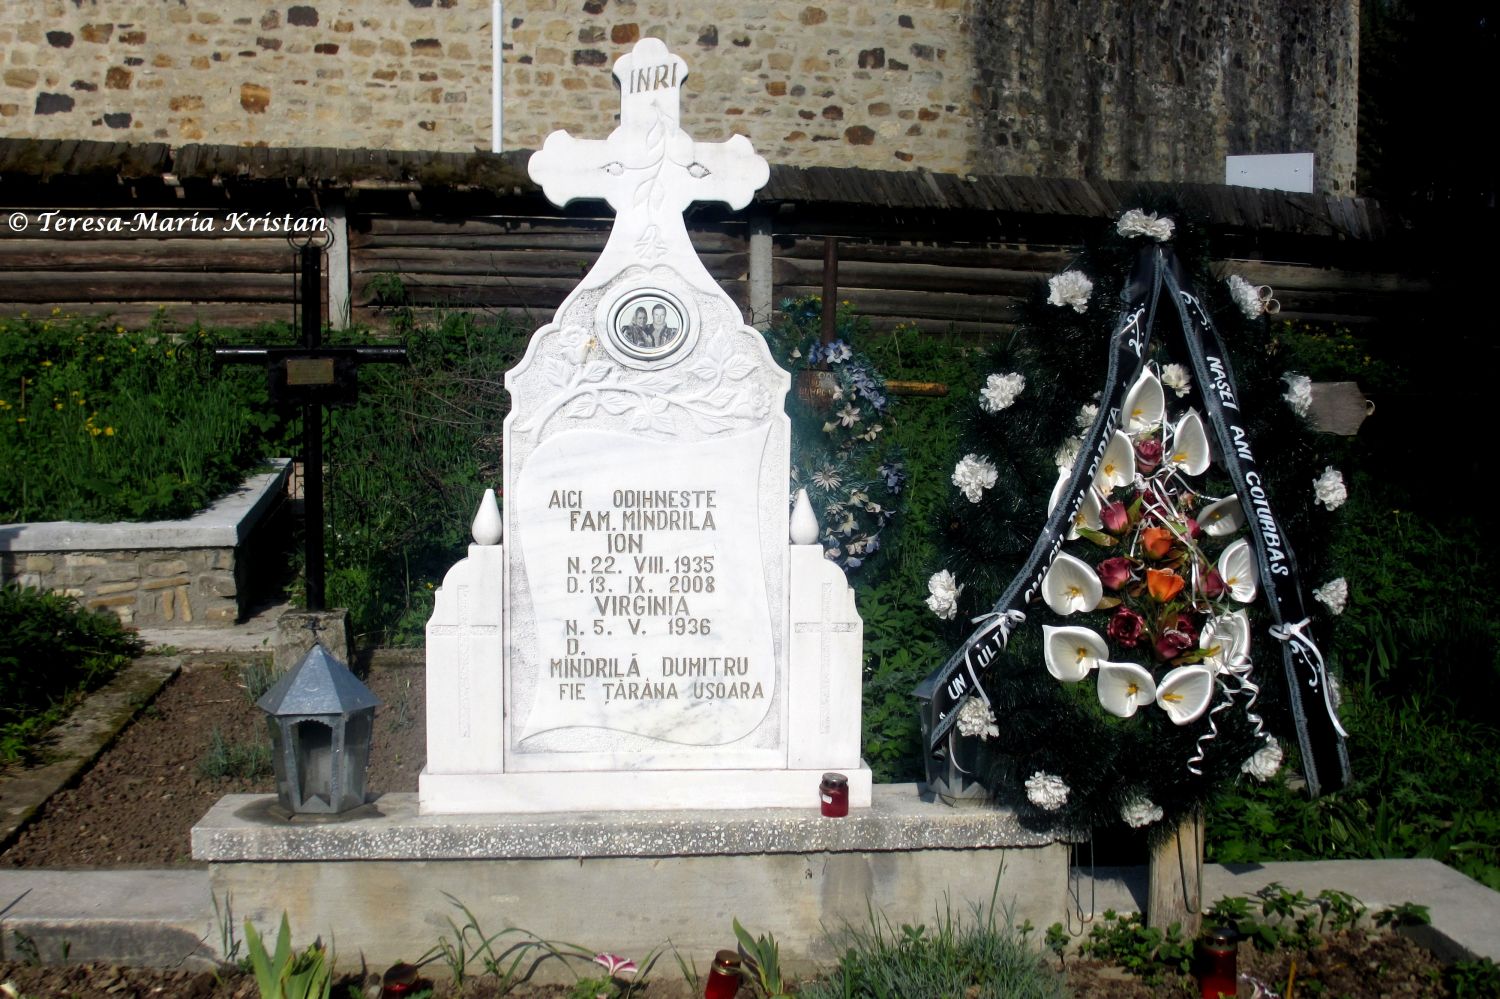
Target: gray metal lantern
(322, 719)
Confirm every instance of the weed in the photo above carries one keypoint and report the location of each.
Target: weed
(1405, 914)
(244, 760)
(287, 975)
(979, 958)
(256, 677)
(1145, 951)
(229, 943)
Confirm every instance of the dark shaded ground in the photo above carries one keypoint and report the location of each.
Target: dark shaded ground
(136, 806)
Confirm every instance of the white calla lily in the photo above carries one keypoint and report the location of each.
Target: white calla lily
(1072, 652)
(1071, 585)
(1124, 687)
(1237, 568)
(1229, 634)
(1222, 517)
(1144, 405)
(1117, 467)
(1185, 693)
(1088, 512)
(1189, 452)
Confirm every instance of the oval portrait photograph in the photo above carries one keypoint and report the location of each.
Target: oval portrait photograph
(648, 325)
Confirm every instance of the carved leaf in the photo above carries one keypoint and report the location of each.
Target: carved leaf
(583, 407)
(614, 168)
(614, 404)
(555, 371)
(656, 383)
(737, 366)
(697, 170)
(595, 371)
(706, 368)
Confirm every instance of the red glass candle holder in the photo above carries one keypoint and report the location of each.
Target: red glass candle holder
(724, 977)
(834, 795)
(1218, 964)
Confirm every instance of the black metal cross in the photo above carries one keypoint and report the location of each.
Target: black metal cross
(314, 376)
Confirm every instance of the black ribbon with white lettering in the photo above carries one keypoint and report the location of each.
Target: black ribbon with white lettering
(959, 676)
(1319, 735)
(1325, 759)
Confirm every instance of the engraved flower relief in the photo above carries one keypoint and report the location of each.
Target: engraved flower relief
(715, 389)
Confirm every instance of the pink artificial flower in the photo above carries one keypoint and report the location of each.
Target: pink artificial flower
(615, 965)
(1172, 644)
(1126, 628)
(1114, 572)
(1148, 455)
(1114, 517)
(1183, 623)
(1213, 584)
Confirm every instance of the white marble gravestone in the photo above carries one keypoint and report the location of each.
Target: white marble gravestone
(645, 636)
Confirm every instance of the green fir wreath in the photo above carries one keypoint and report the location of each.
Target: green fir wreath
(1143, 678)
(841, 454)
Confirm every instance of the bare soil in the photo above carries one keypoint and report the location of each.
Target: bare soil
(136, 806)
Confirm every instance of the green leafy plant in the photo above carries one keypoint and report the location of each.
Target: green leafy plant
(763, 961)
(1404, 914)
(1149, 953)
(285, 974)
(1474, 979)
(52, 652)
(100, 423)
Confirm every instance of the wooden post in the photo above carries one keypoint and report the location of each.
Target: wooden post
(830, 288)
(1175, 894)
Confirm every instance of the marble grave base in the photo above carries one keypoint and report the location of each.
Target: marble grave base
(627, 882)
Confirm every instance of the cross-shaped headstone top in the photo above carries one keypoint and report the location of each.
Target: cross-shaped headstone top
(649, 169)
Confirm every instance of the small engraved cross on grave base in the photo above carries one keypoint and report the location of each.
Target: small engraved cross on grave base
(649, 169)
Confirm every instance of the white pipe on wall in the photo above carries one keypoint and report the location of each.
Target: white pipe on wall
(497, 33)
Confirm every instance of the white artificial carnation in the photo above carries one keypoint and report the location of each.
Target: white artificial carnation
(975, 718)
(1335, 691)
(1334, 595)
(1139, 812)
(1176, 378)
(1264, 763)
(1298, 393)
(1070, 288)
(1068, 453)
(943, 590)
(1000, 391)
(1046, 791)
(1138, 223)
(973, 475)
(1246, 296)
(1087, 414)
(1330, 489)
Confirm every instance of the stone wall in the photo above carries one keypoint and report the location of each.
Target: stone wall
(1157, 90)
(160, 587)
(1165, 90)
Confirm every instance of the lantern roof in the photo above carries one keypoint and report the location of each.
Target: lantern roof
(318, 685)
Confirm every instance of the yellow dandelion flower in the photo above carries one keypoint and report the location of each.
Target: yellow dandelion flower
(57, 405)
(121, 329)
(56, 310)
(46, 364)
(94, 431)
(109, 431)
(20, 419)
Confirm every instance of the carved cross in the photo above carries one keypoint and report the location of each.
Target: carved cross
(826, 628)
(649, 169)
(464, 629)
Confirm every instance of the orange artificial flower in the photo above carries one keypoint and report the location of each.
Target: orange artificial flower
(1157, 541)
(1163, 584)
